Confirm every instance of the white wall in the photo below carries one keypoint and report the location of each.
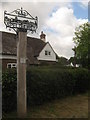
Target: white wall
(42, 55)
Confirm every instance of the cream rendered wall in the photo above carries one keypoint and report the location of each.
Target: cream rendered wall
(42, 55)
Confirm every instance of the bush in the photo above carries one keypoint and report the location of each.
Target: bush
(9, 89)
(45, 84)
(48, 84)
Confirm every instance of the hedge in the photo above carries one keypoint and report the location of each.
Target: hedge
(44, 85)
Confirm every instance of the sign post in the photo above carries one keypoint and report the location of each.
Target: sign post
(21, 73)
(21, 22)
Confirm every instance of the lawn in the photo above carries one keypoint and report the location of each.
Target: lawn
(70, 107)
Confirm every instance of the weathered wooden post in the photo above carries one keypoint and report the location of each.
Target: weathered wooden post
(21, 22)
(21, 73)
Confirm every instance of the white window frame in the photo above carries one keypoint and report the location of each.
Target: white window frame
(13, 65)
(47, 53)
(8, 65)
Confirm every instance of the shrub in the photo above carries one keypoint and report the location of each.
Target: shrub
(9, 87)
(45, 84)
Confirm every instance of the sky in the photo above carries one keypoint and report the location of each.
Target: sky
(56, 19)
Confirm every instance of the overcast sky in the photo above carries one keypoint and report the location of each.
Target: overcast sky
(57, 19)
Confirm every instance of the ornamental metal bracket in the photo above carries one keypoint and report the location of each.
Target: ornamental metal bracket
(20, 20)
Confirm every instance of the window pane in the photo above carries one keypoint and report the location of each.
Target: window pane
(49, 53)
(45, 52)
(14, 66)
(9, 66)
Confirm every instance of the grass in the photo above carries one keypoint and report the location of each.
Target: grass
(70, 107)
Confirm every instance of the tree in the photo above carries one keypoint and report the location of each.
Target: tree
(82, 41)
(62, 61)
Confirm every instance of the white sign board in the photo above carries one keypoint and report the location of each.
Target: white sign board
(22, 60)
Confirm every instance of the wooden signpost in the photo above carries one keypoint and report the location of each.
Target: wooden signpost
(21, 74)
(21, 22)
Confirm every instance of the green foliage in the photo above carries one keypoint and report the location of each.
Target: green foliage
(82, 41)
(9, 86)
(44, 84)
(62, 61)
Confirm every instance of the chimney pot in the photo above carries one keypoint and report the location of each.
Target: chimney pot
(43, 36)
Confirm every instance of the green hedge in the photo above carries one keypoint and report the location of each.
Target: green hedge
(48, 84)
(44, 85)
(9, 89)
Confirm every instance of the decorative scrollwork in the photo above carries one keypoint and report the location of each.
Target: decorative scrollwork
(20, 12)
(20, 20)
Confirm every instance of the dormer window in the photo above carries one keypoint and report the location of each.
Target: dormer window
(47, 53)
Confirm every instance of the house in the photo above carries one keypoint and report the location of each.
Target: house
(74, 62)
(38, 50)
(70, 65)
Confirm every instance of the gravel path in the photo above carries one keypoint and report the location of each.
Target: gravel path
(70, 107)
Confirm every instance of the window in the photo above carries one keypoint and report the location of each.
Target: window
(8, 65)
(47, 53)
(14, 65)
(11, 65)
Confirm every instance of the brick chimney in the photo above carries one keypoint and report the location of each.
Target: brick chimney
(43, 37)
